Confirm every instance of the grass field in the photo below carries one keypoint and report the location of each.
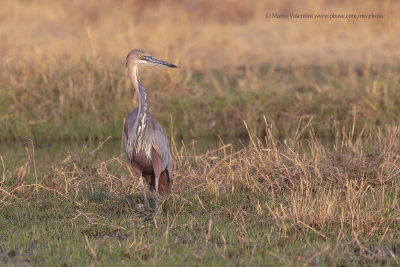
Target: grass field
(316, 104)
(214, 104)
(297, 202)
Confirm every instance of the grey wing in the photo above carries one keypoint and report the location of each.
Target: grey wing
(161, 142)
(129, 132)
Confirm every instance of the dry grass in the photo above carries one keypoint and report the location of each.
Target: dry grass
(299, 201)
(197, 35)
(90, 102)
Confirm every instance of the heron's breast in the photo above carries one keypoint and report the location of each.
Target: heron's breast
(141, 159)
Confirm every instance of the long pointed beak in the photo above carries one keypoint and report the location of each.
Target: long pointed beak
(157, 61)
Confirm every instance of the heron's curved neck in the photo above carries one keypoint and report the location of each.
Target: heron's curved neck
(141, 92)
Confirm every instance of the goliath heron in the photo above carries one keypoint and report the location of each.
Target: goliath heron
(146, 143)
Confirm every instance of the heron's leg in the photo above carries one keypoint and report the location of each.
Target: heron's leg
(157, 165)
(156, 197)
(146, 201)
(139, 173)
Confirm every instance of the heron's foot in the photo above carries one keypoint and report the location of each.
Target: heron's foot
(156, 209)
(157, 206)
(146, 205)
(143, 207)
(146, 201)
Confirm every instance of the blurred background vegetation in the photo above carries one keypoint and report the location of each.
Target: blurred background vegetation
(62, 73)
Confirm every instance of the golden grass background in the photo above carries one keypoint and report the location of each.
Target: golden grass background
(198, 34)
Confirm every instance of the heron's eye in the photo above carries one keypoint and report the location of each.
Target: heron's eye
(141, 56)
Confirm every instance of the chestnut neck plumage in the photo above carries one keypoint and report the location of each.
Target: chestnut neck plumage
(141, 92)
(140, 126)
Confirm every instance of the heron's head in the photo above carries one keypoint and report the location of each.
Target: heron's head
(139, 57)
